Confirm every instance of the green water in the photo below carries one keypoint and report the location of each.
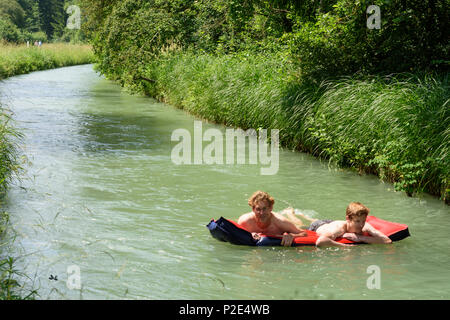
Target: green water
(100, 192)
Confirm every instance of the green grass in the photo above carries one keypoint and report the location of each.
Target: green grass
(20, 59)
(396, 127)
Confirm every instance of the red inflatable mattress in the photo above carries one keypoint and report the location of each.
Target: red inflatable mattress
(228, 230)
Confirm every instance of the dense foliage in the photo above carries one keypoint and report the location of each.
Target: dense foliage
(413, 36)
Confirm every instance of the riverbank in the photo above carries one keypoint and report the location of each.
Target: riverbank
(395, 127)
(20, 59)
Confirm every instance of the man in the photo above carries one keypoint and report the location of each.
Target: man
(263, 221)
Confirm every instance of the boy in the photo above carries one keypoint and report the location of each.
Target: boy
(352, 228)
(263, 220)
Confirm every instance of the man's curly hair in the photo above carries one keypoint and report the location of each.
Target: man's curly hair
(260, 196)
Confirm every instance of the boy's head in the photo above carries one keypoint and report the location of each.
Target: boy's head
(356, 215)
(262, 204)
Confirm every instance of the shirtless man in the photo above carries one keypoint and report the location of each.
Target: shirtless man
(352, 228)
(263, 221)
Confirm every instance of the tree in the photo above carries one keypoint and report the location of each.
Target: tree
(34, 19)
(53, 17)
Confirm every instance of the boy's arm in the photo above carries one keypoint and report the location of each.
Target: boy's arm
(324, 241)
(375, 236)
(327, 238)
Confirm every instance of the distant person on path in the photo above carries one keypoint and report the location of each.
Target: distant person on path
(263, 221)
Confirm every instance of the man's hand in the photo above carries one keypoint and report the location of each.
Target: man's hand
(256, 236)
(287, 239)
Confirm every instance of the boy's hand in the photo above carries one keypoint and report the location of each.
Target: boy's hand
(351, 236)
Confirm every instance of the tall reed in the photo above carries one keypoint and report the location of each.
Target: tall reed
(8, 150)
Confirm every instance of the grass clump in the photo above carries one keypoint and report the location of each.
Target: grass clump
(8, 150)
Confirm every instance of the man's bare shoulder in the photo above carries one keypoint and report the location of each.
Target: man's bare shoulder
(246, 218)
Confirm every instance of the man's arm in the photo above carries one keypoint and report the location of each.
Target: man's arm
(290, 231)
(288, 238)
